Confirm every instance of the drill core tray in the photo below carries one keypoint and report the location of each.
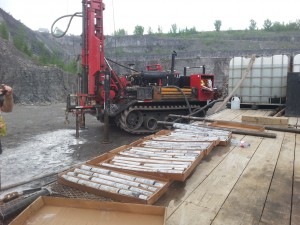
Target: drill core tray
(120, 186)
(162, 163)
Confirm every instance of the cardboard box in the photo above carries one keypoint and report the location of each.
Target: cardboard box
(62, 211)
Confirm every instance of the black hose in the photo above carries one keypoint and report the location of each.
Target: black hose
(206, 106)
(19, 206)
(77, 14)
(202, 108)
(185, 98)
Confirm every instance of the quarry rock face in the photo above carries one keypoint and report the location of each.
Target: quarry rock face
(37, 84)
(32, 83)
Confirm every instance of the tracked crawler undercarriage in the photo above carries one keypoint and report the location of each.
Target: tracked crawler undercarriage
(142, 119)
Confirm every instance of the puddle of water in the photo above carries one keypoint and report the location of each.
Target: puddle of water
(45, 153)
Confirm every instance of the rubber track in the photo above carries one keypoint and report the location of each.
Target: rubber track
(125, 113)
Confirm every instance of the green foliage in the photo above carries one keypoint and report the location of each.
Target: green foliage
(71, 67)
(55, 59)
(187, 31)
(298, 23)
(159, 30)
(293, 26)
(44, 54)
(267, 25)
(191, 30)
(150, 31)
(279, 27)
(212, 38)
(120, 32)
(138, 30)
(252, 25)
(27, 50)
(217, 25)
(173, 29)
(3, 31)
(47, 58)
(20, 42)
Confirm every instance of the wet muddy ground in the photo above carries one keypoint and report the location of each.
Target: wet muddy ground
(39, 143)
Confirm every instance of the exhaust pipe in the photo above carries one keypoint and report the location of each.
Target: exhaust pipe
(174, 54)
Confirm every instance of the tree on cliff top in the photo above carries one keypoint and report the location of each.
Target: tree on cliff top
(218, 24)
(267, 24)
(252, 25)
(138, 30)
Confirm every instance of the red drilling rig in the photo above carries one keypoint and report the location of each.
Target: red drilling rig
(134, 102)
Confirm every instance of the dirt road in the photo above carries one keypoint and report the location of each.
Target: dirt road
(38, 142)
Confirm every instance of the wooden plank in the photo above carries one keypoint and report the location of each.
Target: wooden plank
(233, 113)
(249, 112)
(277, 208)
(227, 114)
(238, 118)
(265, 120)
(175, 196)
(245, 203)
(258, 113)
(267, 112)
(221, 114)
(218, 114)
(209, 196)
(237, 125)
(293, 121)
(295, 217)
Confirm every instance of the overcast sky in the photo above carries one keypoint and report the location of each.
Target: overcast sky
(126, 14)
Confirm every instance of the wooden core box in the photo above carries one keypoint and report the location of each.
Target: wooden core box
(62, 211)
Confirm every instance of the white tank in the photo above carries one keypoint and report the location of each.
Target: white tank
(265, 84)
(296, 67)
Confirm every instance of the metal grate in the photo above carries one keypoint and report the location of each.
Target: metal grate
(69, 192)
